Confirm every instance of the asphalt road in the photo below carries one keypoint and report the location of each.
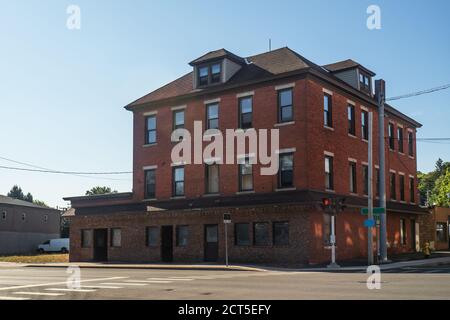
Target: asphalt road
(99, 284)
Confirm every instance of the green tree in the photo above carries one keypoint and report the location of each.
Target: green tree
(28, 197)
(99, 190)
(16, 193)
(427, 181)
(441, 192)
(40, 203)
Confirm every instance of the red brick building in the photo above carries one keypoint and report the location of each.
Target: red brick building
(175, 211)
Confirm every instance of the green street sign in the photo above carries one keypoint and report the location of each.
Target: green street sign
(376, 211)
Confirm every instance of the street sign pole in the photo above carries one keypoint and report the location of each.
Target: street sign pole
(333, 263)
(332, 208)
(370, 192)
(226, 222)
(226, 244)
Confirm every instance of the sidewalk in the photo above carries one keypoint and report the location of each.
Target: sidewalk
(396, 264)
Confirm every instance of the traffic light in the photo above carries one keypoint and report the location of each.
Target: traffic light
(341, 205)
(326, 204)
(334, 205)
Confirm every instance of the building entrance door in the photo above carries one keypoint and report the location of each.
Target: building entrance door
(211, 242)
(100, 245)
(167, 243)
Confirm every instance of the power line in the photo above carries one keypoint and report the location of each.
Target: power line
(65, 172)
(89, 175)
(418, 93)
(42, 169)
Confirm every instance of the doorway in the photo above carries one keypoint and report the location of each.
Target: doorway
(167, 243)
(101, 245)
(413, 235)
(211, 242)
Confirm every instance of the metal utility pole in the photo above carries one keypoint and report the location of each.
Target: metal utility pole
(333, 263)
(380, 91)
(333, 212)
(370, 192)
(226, 222)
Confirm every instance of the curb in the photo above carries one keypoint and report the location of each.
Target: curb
(147, 267)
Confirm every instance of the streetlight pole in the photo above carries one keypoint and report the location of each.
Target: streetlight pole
(370, 192)
(380, 95)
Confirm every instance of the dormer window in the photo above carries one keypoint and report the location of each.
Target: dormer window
(209, 74)
(203, 73)
(364, 82)
(216, 71)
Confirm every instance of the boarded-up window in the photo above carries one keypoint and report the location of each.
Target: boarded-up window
(261, 234)
(152, 236)
(182, 236)
(86, 238)
(242, 234)
(116, 237)
(280, 233)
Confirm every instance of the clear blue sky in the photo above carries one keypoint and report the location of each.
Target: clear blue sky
(62, 91)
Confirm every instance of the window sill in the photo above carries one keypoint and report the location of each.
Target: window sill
(402, 153)
(149, 145)
(282, 124)
(354, 194)
(177, 197)
(330, 190)
(364, 140)
(328, 128)
(285, 189)
(245, 192)
(352, 136)
(150, 199)
(411, 157)
(208, 195)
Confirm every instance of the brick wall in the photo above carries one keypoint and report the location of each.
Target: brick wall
(307, 134)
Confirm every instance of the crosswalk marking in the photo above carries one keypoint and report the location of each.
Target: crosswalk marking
(70, 290)
(101, 287)
(149, 281)
(13, 298)
(49, 294)
(171, 279)
(123, 283)
(56, 283)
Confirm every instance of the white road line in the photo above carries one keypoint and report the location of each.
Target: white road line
(123, 283)
(148, 281)
(49, 294)
(70, 290)
(101, 287)
(171, 279)
(57, 283)
(13, 298)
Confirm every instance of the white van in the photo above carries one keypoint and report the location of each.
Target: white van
(54, 245)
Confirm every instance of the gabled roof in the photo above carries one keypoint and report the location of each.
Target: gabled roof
(21, 203)
(256, 67)
(218, 54)
(345, 65)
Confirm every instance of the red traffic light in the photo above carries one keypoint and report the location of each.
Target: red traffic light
(326, 202)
